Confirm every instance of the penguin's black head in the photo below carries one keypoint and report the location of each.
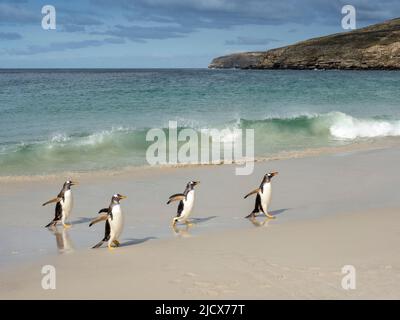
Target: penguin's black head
(191, 184)
(116, 198)
(269, 176)
(69, 183)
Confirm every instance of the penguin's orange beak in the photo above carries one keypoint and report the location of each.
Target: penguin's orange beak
(122, 197)
(274, 173)
(74, 183)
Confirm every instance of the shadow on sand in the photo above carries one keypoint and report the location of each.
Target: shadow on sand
(201, 220)
(278, 212)
(132, 242)
(81, 220)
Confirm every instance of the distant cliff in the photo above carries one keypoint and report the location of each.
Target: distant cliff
(373, 47)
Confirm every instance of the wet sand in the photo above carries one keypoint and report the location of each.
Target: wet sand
(331, 210)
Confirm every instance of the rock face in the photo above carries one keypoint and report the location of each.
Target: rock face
(373, 47)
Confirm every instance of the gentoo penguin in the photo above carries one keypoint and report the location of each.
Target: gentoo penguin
(186, 201)
(114, 221)
(263, 198)
(64, 204)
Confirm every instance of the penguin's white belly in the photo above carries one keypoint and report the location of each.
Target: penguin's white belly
(67, 204)
(266, 197)
(187, 205)
(117, 223)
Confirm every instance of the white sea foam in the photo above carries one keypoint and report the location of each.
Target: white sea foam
(127, 146)
(348, 127)
(60, 137)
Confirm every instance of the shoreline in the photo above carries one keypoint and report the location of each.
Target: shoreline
(364, 145)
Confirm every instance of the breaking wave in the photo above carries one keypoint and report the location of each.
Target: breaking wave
(120, 147)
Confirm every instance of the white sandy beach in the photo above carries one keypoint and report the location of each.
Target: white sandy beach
(331, 211)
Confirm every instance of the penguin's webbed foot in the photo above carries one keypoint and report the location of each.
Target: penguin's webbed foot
(67, 226)
(116, 242)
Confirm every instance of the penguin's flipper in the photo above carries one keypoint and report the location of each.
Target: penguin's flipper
(252, 192)
(104, 210)
(57, 199)
(101, 217)
(176, 197)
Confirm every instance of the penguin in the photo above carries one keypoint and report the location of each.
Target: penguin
(186, 202)
(64, 203)
(114, 222)
(263, 198)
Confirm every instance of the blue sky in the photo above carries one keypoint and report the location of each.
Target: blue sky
(166, 33)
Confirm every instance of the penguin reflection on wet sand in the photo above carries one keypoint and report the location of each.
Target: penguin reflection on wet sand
(263, 196)
(182, 232)
(63, 241)
(64, 203)
(258, 224)
(186, 202)
(114, 222)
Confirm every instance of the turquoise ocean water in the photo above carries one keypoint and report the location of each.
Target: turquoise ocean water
(84, 120)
